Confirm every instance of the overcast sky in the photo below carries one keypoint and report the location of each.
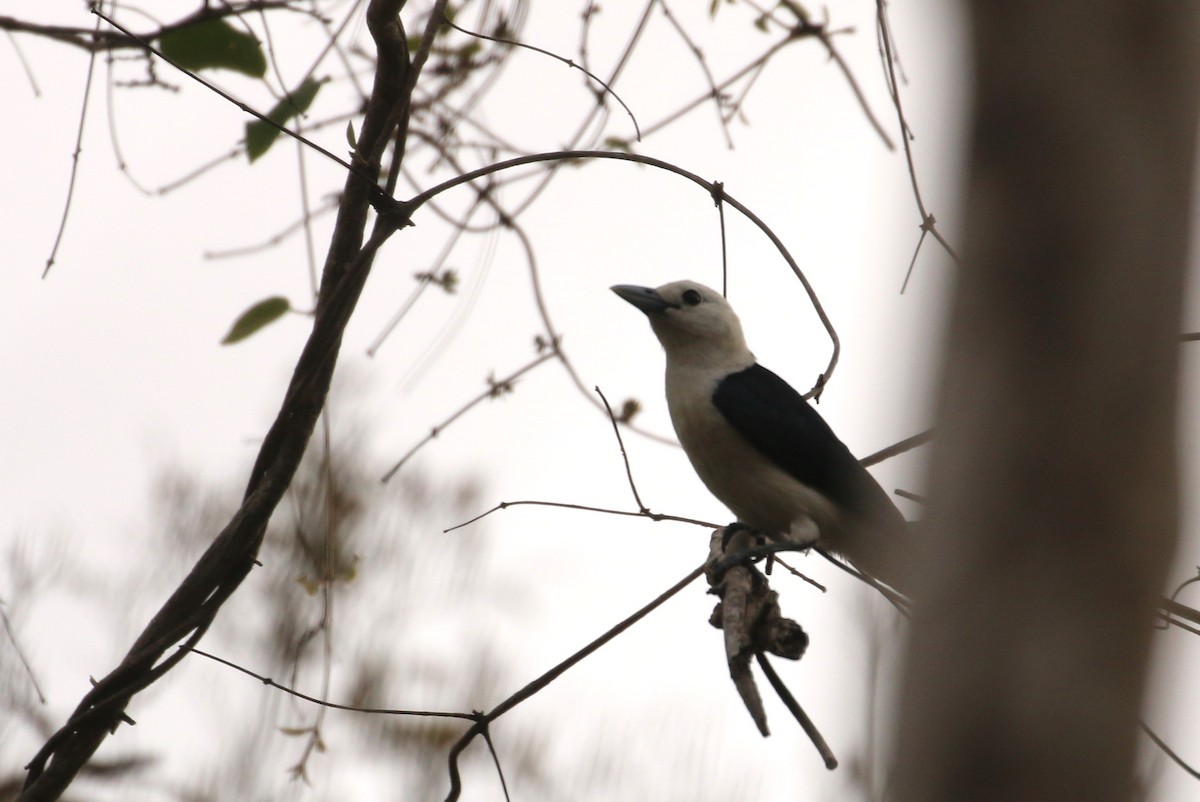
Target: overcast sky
(114, 369)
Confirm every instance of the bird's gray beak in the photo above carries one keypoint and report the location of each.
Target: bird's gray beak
(644, 298)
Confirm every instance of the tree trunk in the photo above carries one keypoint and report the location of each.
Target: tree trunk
(1053, 516)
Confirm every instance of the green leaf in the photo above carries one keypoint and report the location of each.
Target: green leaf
(214, 44)
(261, 135)
(261, 314)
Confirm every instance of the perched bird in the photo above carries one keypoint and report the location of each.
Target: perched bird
(756, 444)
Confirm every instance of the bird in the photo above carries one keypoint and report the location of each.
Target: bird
(757, 444)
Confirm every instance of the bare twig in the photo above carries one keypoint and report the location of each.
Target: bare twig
(1161, 744)
(653, 516)
(799, 574)
(907, 444)
(928, 222)
(896, 599)
(83, 107)
(379, 711)
(230, 98)
(806, 723)
(487, 739)
(806, 27)
(16, 46)
(93, 40)
(424, 279)
(402, 212)
(496, 387)
(624, 457)
(328, 205)
(553, 55)
(1171, 607)
(714, 93)
(483, 720)
(16, 646)
(718, 194)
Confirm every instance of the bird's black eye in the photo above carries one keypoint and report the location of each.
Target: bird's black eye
(691, 297)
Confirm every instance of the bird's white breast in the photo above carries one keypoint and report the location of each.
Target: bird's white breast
(760, 494)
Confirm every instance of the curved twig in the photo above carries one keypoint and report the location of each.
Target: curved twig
(653, 516)
(1161, 744)
(402, 212)
(570, 63)
(907, 444)
(624, 457)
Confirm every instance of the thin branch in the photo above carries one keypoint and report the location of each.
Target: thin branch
(806, 27)
(624, 457)
(93, 40)
(554, 673)
(720, 88)
(1173, 608)
(607, 89)
(896, 599)
(111, 117)
(384, 711)
(806, 723)
(1169, 752)
(16, 46)
(487, 739)
(912, 263)
(718, 195)
(231, 99)
(200, 170)
(16, 646)
(714, 93)
(424, 280)
(1169, 621)
(653, 516)
(552, 337)
(62, 224)
(798, 573)
(300, 224)
(928, 222)
(402, 212)
(494, 390)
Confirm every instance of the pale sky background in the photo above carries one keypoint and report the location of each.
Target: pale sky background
(113, 370)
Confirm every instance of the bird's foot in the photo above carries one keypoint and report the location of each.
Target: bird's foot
(736, 528)
(744, 545)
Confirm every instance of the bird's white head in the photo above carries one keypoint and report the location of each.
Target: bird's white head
(694, 323)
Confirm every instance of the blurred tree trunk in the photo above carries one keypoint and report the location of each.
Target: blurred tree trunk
(1054, 488)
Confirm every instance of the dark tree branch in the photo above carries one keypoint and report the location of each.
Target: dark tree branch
(190, 610)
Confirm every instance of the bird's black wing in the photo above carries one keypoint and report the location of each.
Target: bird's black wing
(779, 423)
